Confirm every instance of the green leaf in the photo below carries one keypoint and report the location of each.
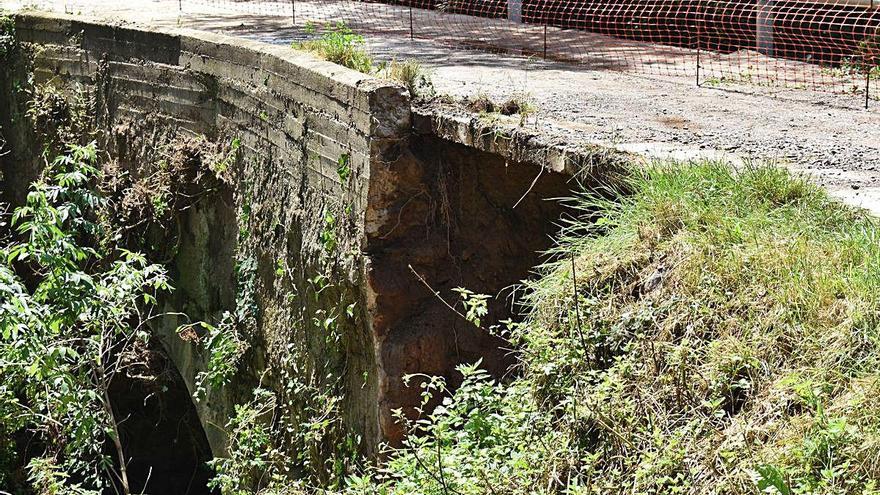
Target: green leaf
(771, 480)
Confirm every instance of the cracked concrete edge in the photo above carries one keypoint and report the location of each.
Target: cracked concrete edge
(507, 137)
(504, 136)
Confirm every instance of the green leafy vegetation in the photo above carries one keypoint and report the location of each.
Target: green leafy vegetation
(722, 338)
(72, 316)
(703, 331)
(290, 436)
(340, 45)
(226, 343)
(328, 234)
(254, 465)
(343, 168)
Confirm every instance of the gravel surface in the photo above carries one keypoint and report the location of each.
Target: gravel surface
(830, 137)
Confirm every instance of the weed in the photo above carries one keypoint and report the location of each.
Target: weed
(863, 61)
(226, 343)
(59, 118)
(412, 75)
(476, 305)
(221, 166)
(151, 197)
(328, 234)
(254, 465)
(520, 104)
(854, 67)
(343, 168)
(340, 45)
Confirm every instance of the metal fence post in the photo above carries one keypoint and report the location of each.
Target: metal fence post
(699, 33)
(545, 40)
(293, 11)
(765, 28)
(867, 85)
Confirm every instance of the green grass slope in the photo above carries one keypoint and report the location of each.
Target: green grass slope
(724, 340)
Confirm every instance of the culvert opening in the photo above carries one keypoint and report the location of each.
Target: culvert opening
(163, 441)
(460, 218)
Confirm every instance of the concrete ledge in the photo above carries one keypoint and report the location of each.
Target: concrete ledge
(233, 57)
(503, 136)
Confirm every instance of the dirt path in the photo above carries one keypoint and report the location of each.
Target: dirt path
(832, 138)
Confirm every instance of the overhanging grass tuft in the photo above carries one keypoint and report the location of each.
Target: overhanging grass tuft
(735, 310)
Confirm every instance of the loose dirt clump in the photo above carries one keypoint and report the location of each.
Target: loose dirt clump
(59, 118)
(516, 105)
(147, 198)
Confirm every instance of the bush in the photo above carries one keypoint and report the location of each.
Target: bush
(71, 318)
(8, 43)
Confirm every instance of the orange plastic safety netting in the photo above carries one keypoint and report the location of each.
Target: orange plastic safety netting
(831, 45)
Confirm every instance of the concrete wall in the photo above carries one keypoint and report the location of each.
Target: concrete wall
(296, 118)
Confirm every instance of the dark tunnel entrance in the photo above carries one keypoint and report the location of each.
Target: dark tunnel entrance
(164, 443)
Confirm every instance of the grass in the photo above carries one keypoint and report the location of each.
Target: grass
(724, 338)
(340, 45)
(412, 75)
(732, 316)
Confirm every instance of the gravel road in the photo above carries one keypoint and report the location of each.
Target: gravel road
(830, 137)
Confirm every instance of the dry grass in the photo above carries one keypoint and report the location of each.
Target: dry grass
(412, 75)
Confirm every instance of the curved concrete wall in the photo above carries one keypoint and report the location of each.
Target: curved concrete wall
(296, 118)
